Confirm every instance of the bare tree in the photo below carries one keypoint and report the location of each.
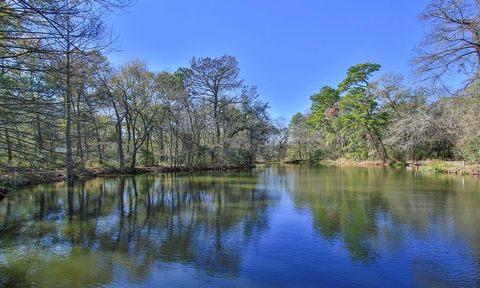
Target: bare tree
(279, 139)
(217, 82)
(453, 43)
(140, 103)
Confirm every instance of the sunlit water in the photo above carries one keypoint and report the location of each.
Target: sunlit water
(280, 226)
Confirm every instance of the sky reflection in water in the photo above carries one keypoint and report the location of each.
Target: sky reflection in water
(279, 226)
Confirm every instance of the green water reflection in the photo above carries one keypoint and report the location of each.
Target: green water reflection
(216, 229)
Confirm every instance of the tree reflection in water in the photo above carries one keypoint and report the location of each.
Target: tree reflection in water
(374, 210)
(81, 233)
(374, 227)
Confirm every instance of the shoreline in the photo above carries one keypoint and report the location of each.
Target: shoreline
(342, 162)
(19, 179)
(459, 168)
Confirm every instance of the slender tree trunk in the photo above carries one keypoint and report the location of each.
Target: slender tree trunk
(300, 151)
(375, 145)
(99, 142)
(68, 96)
(79, 133)
(176, 151)
(161, 145)
(171, 148)
(147, 147)
(9, 147)
(152, 155)
(129, 130)
(39, 141)
(134, 150)
(121, 156)
(305, 151)
(133, 163)
(216, 138)
(215, 118)
(384, 150)
(39, 136)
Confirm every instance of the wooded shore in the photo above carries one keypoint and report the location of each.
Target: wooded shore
(15, 179)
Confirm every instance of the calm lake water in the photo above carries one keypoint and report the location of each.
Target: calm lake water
(280, 226)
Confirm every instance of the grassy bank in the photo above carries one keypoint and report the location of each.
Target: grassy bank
(449, 167)
(428, 166)
(344, 162)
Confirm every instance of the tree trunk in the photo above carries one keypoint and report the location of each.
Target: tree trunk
(121, 156)
(384, 150)
(129, 131)
(216, 138)
(134, 159)
(152, 156)
(381, 153)
(300, 151)
(161, 146)
(39, 142)
(79, 133)
(171, 148)
(68, 132)
(176, 151)
(9, 147)
(99, 143)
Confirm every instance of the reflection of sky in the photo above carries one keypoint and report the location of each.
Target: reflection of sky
(292, 255)
(418, 232)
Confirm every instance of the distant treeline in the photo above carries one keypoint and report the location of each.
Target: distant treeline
(383, 118)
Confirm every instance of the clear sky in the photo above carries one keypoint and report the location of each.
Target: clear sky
(289, 49)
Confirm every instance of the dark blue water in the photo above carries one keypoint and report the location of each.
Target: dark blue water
(280, 226)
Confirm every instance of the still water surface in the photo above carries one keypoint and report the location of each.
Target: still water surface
(280, 226)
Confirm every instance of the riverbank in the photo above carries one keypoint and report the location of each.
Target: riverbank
(427, 166)
(449, 167)
(22, 177)
(18, 178)
(343, 162)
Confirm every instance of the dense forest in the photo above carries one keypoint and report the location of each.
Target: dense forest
(63, 105)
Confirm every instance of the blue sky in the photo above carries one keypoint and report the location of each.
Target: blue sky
(289, 49)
